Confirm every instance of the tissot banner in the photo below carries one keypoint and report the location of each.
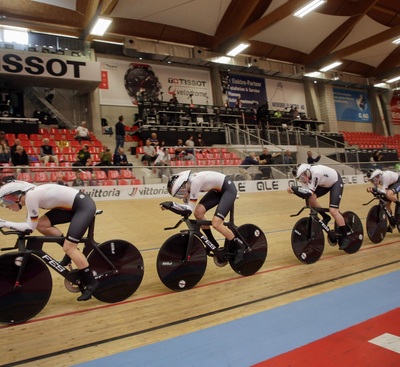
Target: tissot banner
(351, 105)
(125, 83)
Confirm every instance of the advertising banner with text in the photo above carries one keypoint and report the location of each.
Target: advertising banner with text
(351, 105)
(282, 95)
(395, 109)
(124, 83)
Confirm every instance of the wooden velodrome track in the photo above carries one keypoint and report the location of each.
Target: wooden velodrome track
(68, 332)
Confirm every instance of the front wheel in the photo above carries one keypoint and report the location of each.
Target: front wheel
(177, 269)
(22, 300)
(254, 259)
(376, 224)
(353, 221)
(307, 240)
(119, 284)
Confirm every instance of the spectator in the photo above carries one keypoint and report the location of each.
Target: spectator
(120, 159)
(154, 140)
(250, 160)
(162, 160)
(82, 132)
(376, 159)
(60, 180)
(14, 147)
(93, 180)
(310, 159)
(46, 153)
(267, 158)
(238, 103)
(287, 158)
(78, 181)
(5, 155)
(174, 99)
(20, 159)
(119, 134)
(189, 143)
(150, 153)
(3, 141)
(84, 158)
(106, 158)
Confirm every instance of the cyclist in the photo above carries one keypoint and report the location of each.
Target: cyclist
(220, 193)
(390, 183)
(318, 180)
(67, 205)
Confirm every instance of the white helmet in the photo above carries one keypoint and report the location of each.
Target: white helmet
(300, 169)
(374, 175)
(177, 184)
(15, 187)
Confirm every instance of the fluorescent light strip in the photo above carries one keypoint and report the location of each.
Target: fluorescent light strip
(238, 49)
(308, 8)
(111, 42)
(393, 80)
(396, 41)
(100, 26)
(331, 66)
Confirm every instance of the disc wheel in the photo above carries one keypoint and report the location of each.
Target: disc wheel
(174, 270)
(22, 302)
(252, 260)
(116, 287)
(376, 224)
(357, 237)
(307, 241)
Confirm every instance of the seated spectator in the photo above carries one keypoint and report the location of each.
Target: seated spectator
(60, 180)
(162, 160)
(150, 153)
(120, 159)
(20, 159)
(14, 147)
(189, 143)
(93, 180)
(250, 160)
(82, 132)
(5, 154)
(46, 153)
(106, 158)
(78, 180)
(153, 140)
(84, 159)
(3, 140)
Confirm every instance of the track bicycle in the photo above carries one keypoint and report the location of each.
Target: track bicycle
(182, 259)
(308, 239)
(379, 218)
(26, 282)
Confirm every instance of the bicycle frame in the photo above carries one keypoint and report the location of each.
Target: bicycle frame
(314, 215)
(382, 203)
(27, 244)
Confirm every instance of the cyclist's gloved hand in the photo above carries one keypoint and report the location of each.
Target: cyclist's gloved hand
(301, 192)
(180, 209)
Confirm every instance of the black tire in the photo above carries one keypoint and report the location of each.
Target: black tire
(129, 263)
(307, 243)
(173, 271)
(254, 259)
(19, 304)
(354, 222)
(376, 224)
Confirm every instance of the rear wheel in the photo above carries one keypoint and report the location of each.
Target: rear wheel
(357, 237)
(117, 286)
(254, 259)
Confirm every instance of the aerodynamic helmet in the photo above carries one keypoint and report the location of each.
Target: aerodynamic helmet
(302, 169)
(374, 175)
(15, 187)
(177, 184)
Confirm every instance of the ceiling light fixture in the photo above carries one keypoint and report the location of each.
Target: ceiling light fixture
(238, 49)
(100, 26)
(331, 66)
(396, 41)
(308, 8)
(393, 79)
